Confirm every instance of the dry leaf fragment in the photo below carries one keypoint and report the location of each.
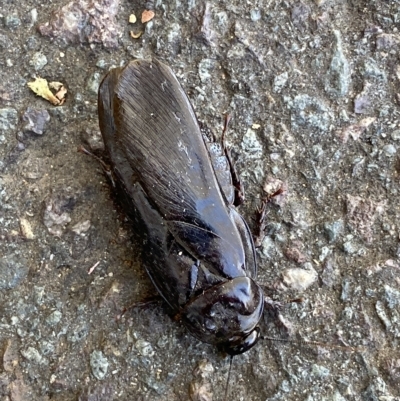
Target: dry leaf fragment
(132, 19)
(135, 35)
(147, 16)
(61, 91)
(42, 88)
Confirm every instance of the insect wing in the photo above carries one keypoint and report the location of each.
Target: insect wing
(155, 125)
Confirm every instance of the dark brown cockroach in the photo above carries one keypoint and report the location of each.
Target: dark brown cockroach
(178, 187)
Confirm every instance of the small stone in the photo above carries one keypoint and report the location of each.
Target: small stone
(346, 290)
(26, 228)
(206, 69)
(47, 348)
(338, 397)
(337, 81)
(132, 19)
(84, 22)
(330, 274)
(300, 14)
(362, 104)
(136, 35)
(8, 119)
(94, 83)
(94, 139)
(33, 355)
(386, 41)
(144, 348)
(251, 145)
(81, 227)
(12, 21)
(54, 318)
(174, 34)
(319, 371)
(395, 135)
(13, 270)
(255, 15)
(100, 64)
(334, 230)
(36, 120)
(299, 279)
(309, 112)
(98, 364)
(350, 247)
(392, 296)
(280, 81)
(38, 61)
(56, 215)
(389, 150)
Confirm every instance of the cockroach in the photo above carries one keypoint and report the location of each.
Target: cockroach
(181, 191)
(177, 186)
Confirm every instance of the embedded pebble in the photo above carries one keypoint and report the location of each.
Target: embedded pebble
(82, 21)
(280, 82)
(395, 135)
(8, 119)
(94, 83)
(81, 227)
(12, 21)
(308, 111)
(55, 216)
(94, 139)
(98, 364)
(320, 371)
(33, 355)
(26, 228)
(333, 230)
(144, 348)
(255, 15)
(38, 61)
(206, 68)
(251, 145)
(36, 120)
(54, 318)
(392, 296)
(299, 279)
(13, 270)
(381, 312)
(338, 78)
(389, 150)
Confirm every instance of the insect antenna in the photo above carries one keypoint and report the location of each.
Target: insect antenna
(317, 343)
(106, 167)
(228, 379)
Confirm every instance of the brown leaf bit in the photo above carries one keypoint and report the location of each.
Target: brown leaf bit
(61, 91)
(355, 130)
(362, 214)
(147, 16)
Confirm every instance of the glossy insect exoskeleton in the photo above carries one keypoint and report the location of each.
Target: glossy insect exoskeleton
(198, 250)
